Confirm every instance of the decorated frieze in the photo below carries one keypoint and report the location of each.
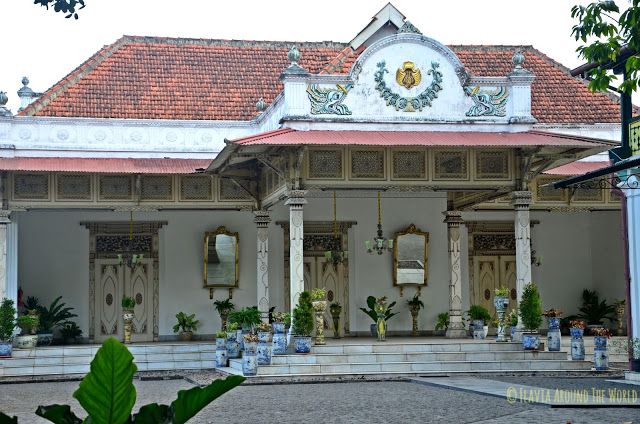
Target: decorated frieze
(408, 77)
(328, 100)
(487, 102)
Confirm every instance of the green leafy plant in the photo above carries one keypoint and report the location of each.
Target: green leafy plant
(128, 302)
(7, 319)
(186, 323)
(443, 321)
(319, 294)
(246, 317)
(479, 313)
(250, 338)
(54, 316)
(531, 307)
(107, 394)
(70, 331)
(32, 303)
(303, 315)
(223, 306)
(513, 317)
(221, 335)
(415, 302)
(502, 292)
(28, 323)
(371, 303)
(232, 327)
(593, 310)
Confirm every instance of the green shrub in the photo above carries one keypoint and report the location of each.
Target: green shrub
(7, 319)
(531, 307)
(480, 313)
(54, 316)
(128, 302)
(303, 315)
(443, 321)
(186, 323)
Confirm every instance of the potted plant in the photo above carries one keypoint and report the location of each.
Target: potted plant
(70, 332)
(594, 311)
(620, 307)
(513, 323)
(186, 325)
(442, 323)
(415, 304)
(531, 315)
(246, 318)
(479, 317)
(128, 304)
(224, 308)
(335, 309)
(249, 360)
(29, 325)
(319, 303)
(632, 347)
(576, 328)
(221, 349)
(554, 339)
(303, 323)
(264, 344)
(279, 340)
(7, 325)
(233, 346)
(51, 318)
(501, 302)
(600, 351)
(371, 303)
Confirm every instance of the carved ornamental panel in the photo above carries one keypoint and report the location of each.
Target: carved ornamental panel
(196, 187)
(325, 164)
(367, 164)
(451, 165)
(492, 165)
(545, 191)
(73, 187)
(115, 187)
(231, 191)
(595, 194)
(31, 186)
(409, 164)
(156, 187)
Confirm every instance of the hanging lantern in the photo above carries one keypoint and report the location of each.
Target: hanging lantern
(335, 255)
(379, 244)
(128, 256)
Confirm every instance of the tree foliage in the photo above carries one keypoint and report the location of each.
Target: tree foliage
(605, 29)
(68, 7)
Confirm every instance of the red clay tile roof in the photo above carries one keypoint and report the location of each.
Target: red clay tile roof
(578, 168)
(168, 78)
(104, 165)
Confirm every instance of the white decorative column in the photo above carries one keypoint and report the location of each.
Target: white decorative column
(262, 220)
(453, 219)
(521, 201)
(631, 190)
(4, 258)
(296, 202)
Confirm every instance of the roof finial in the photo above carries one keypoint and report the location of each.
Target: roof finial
(25, 81)
(3, 104)
(261, 105)
(518, 59)
(26, 94)
(294, 55)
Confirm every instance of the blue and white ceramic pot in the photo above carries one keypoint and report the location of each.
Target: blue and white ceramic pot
(221, 343)
(264, 348)
(45, 339)
(6, 349)
(278, 327)
(530, 341)
(250, 347)
(26, 342)
(233, 347)
(512, 332)
(279, 344)
(302, 344)
(600, 353)
(554, 339)
(478, 329)
(249, 363)
(240, 338)
(221, 357)
(577, 344)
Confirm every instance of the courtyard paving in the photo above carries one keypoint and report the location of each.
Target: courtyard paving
(352, 402)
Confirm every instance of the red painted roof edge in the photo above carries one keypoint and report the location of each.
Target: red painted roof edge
(104, 165)
(261, 136)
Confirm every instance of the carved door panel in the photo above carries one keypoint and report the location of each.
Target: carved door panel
(318, 273)
(109, 291)
(139, 285)
(486, 276)
(508, 278)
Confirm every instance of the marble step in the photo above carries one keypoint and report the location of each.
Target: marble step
(416, 367)
(330, 358)
(391, 347)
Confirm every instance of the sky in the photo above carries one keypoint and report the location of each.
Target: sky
(45, 47)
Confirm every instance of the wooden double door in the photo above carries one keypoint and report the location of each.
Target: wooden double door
(113, 281)
(320, 273)
(489, 273)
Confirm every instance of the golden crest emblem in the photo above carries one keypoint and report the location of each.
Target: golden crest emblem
(408, 76)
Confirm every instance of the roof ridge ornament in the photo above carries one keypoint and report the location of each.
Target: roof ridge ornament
(294, 55)
(261, 105)
(4, 111)
(409, 28)
(518, 59)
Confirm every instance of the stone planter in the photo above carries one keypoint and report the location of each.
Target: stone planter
(233, 347)
(221, 352)
(600, 353)
(264, 349)
(186, 336)
(29, 341)
(554, 338)
(6, 349)
(501, 303)
(302, 344)
(530, 341)
(414, 321)
(319, 306)
(45, 339)
(577, 344)
(336, 326)
(620, 312)
(381, 328)
(127, 317)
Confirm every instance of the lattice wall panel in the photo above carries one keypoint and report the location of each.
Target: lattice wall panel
(408, 164)
(546, 193)
(367, 164)
(231, 191)
(73, 187)
(31, 186)
(589, 195)
(492, 165)
(325, 164)
(196, 187)
(156, 187)
(451, 165)
(115, 187)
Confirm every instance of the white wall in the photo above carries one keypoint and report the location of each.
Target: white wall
(580, 250)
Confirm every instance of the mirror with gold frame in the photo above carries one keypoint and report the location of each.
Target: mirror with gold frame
(410, 255)
(221, 258)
